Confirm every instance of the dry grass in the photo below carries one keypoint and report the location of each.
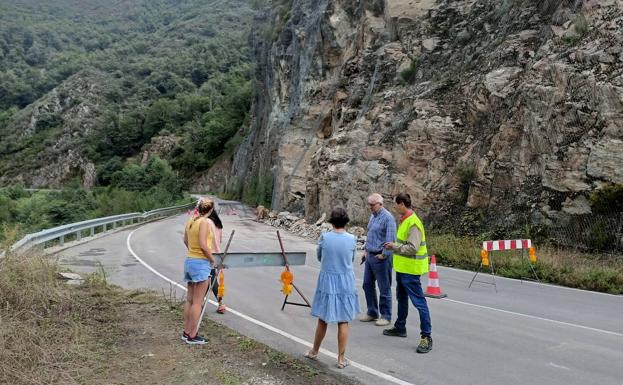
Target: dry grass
(567, 267)
(54, 333)
(48, 332)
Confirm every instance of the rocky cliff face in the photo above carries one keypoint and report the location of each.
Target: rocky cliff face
(42, 140)
(477, 108)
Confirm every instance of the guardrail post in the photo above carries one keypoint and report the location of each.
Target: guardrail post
(104, 227)
(93, 231)
(114, 225)
(61, 240)
(79, 235)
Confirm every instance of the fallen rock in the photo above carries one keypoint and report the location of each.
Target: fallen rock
(70, 276)
(321, 219)
(430, 44)
(357, 231)
(262, 212)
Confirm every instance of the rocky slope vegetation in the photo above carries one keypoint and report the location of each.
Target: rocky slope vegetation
(42, 146)
(487, 112)
(87, 86)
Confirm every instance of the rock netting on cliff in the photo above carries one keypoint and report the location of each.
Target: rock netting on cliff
(491, 114)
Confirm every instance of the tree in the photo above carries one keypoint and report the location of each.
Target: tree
(163, 114)
(124, 133)
(105, 171)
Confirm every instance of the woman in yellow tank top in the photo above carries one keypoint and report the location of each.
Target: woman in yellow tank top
(198, 238)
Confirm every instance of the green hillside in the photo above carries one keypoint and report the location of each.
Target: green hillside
(96, 81)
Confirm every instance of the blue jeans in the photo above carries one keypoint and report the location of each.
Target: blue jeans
(408, 286)
(380, 271)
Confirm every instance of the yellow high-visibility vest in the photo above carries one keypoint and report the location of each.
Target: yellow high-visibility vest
(412, 264)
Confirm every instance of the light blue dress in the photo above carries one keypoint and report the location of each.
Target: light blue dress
(336, 298)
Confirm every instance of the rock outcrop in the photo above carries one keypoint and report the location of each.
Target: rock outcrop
(44, 138)
(497, 110)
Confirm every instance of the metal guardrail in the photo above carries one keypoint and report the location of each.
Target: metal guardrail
(106, 223)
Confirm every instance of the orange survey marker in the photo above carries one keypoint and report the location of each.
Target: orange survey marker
(433, 290)
(221, 284)
(287, 278)
(484, 255)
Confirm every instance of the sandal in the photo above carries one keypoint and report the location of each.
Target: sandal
(311, 355)
(343, 364)
(221, 309)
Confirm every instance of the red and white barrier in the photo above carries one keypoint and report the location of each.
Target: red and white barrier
(515, 244)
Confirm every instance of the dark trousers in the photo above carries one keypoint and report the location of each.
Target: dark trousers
(408, 286)
(378, 271)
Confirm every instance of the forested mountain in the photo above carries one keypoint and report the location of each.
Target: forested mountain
(86, 85)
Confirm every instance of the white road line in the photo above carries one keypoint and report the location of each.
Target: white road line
(558, 366)
(529, 282)
(515, 313)
(301, 341)
(537, 318)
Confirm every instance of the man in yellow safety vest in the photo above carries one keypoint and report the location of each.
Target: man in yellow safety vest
(410, 261)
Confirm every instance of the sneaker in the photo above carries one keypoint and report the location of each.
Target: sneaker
(381, 322)
(185, 336)
(220, 309)
(367, 318)
(393, 332)
(196, 340)
(426, 345)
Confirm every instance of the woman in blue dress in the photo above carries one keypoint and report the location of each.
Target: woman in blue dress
(336, 299)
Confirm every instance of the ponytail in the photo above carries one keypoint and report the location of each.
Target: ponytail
(204, 206)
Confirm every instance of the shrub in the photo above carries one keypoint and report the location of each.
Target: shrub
(156, 173)
(600, 236)
(608, 199)
(466, 174)
(408, 75)
(580, 24)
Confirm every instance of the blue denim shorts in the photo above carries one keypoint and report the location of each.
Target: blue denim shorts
(197, 270)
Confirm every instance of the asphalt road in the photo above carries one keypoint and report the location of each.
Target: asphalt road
(527, 333)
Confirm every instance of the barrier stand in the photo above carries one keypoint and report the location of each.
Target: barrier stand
(491, 246)
(254, 259)
(531, 259)
(485, 261)
(219, 270)
(287, 278)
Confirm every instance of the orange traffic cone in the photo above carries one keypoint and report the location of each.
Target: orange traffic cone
(433, 290)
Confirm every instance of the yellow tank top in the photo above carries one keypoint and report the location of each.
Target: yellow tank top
(192, 232)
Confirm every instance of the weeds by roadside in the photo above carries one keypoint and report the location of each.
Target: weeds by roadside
(599, 272)
(50, 333)
(94, 333)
